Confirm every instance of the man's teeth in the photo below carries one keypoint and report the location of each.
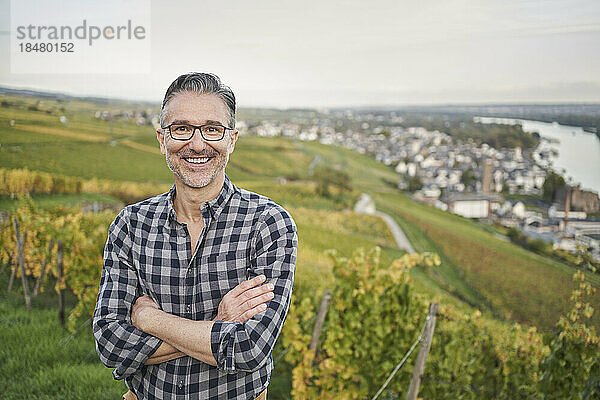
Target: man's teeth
(198, 160)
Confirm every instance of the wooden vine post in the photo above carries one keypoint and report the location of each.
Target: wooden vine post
(61, 291)
(314, 342)
(415, 380)
(13, 273)
(20, 239)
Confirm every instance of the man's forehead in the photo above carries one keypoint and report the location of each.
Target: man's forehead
(196, 107)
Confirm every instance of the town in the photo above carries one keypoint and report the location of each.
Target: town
(502, 186)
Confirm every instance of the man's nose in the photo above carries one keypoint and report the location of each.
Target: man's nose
(197, 142)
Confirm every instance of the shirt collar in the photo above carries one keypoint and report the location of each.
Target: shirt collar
(214, 206)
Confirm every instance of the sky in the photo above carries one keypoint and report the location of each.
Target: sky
(353, 53)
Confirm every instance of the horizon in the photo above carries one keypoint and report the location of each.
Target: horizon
(313, 108)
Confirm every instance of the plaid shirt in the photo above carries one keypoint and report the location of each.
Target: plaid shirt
(148, 252)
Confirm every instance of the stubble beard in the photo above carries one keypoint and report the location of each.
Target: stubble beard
(196, 180)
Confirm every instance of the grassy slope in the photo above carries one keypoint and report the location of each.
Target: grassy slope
(517, 283)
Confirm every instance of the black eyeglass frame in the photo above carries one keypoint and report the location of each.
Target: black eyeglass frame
(197, 127)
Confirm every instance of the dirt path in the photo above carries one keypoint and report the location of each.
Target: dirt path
(366, 205)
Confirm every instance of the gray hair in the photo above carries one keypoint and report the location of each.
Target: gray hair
(201, 83)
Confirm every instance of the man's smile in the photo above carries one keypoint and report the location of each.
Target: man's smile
(197, 160)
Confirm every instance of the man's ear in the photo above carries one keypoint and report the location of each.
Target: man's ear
(160, 136)
(233, 140)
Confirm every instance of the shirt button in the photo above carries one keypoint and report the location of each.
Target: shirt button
(188, 308)
(180, 384)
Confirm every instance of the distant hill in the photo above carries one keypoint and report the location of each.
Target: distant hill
(584, 115)
(62, 96)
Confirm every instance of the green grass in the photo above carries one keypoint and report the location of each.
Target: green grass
(66, 200)
(516, 283)
(298, 194)
(87, 160)
(447, 275)
(366, 173)
(14, 138)
(39, 359)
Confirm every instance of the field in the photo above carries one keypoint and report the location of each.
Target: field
(41, 359)
(478, 270)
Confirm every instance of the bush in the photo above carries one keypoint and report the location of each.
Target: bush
(327, 177)
(414, 184)
(374, 317)
(572, 369)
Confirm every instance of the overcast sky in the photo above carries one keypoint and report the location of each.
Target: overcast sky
(343, 53)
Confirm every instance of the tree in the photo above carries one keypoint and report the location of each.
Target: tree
(414, 184)
(552, 183)
(468, 178)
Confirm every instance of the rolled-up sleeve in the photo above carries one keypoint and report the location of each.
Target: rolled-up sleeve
(119, 344)
(246, 346)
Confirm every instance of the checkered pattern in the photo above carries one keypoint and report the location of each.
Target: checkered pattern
(149, 252)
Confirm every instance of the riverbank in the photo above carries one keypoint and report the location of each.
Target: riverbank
(576, 151)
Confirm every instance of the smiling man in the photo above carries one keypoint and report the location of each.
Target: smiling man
(196, 282)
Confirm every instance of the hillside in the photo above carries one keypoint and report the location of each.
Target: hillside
(478, 270)
(489, 274)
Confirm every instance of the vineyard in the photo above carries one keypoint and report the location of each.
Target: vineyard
(509, 325)
(375, 314)
(519, 284)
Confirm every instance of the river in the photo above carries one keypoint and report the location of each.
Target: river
(578, 152)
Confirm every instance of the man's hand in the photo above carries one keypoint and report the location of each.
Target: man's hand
(142, 309)
(240, 304)
(245, 300)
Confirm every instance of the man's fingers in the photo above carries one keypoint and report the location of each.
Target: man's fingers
(245, 300)
(250, 308)
(252, 312)
(249, 284)
(257, 291)
(259, 300)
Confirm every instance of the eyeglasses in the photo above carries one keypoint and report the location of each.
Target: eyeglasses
(209, 132)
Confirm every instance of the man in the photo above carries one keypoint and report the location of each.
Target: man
(196, 282)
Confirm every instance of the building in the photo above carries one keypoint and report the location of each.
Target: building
(581, 200)
(486, 177)
(471, 205)
(555, 213)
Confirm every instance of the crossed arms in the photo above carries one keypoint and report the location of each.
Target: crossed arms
(182, 336)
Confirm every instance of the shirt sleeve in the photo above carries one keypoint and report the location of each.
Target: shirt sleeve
(246, 346)
(119, 344)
